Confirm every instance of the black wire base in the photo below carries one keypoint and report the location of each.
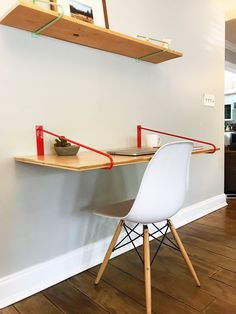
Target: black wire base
(163, 230)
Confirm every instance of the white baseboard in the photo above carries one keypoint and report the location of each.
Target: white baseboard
(27, 282)
(198, 210)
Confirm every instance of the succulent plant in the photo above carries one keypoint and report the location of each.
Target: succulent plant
(61, 142)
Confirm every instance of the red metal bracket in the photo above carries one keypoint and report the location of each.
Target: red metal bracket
(139, 137)
(40, 144)
(39, 140)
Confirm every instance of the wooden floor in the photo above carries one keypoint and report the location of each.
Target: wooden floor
(211, 243)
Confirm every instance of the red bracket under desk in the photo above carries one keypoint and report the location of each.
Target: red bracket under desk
(90, 161)
(40, 144)
(139, 138)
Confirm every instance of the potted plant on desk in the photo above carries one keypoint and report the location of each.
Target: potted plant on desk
(64, 148)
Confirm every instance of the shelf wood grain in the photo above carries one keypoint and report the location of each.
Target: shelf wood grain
(31, 17)
(87, 160)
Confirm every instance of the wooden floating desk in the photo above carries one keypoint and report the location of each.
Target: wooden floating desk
(88, 160)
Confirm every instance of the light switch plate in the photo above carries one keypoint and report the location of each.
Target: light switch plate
(209, 100)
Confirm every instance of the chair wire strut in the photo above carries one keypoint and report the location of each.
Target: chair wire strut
(138, 235)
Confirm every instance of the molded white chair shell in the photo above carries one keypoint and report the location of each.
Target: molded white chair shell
(164, 184)
(162, 190)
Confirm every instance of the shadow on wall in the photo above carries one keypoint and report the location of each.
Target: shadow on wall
(57, 204)
(109, 187)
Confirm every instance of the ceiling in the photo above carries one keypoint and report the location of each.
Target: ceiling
(230, 9)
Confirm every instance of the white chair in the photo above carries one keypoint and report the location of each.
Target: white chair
(160, 196)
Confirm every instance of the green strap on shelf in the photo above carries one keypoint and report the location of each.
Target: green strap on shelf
(154, 53)
(154, 39)
(151, 54)
(42, 28)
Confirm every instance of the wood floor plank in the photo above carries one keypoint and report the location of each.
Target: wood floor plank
(37, 304)
(110, 298)
(133, 287)
(219, 290)
(211, 258)
(220, 307)
(71, 300)
(167, 258)
(9, 310)
(171, 282)
(220, 224)
(210, 233)
(220, 218)
(226, 277)
(210, 229)
(212, 246)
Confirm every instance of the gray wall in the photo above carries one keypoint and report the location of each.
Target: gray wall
(98, 98)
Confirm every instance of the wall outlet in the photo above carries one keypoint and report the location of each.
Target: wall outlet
(209, 100)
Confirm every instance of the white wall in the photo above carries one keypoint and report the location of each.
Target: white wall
(98, 98)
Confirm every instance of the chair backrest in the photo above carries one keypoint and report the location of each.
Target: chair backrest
(164, 184)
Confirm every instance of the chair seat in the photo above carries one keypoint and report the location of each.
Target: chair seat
(117, 210)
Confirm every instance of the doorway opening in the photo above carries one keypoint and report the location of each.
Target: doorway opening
(230, 129)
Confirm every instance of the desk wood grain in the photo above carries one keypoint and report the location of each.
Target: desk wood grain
(87, 160)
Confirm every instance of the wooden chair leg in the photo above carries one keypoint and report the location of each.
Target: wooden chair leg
(109, 251)
(147, 270)
(183, 252)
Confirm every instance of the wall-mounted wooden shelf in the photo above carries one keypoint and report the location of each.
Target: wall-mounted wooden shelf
(30, 17)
